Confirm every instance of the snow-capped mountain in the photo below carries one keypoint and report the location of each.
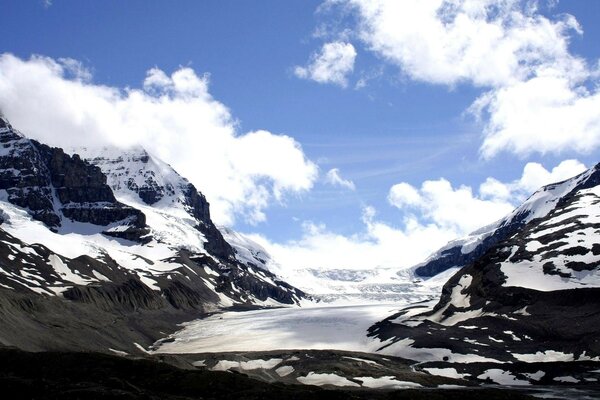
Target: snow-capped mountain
(463, 251)
(532, 297)
(122, 237)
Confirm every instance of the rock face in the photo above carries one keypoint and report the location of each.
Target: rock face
(52, 185)
(532, 297)
(464, 251)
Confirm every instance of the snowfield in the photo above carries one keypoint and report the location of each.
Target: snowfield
(316, 328)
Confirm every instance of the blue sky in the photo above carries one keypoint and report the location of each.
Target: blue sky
(406, 125)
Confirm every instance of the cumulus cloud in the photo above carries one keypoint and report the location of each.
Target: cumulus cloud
(534, 176)
(331, 65)
(539, 97)
(334, 178)
(545, 114)
(432, 214)
(484, 42)
(173, 116)
(456, 209)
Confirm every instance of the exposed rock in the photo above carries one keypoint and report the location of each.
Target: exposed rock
(51, 185)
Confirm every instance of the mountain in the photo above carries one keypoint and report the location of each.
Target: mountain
(108, 250)
(532, 297)
(464, 251)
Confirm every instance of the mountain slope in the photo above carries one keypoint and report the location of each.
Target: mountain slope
(461, 252)
(126, 240)
(532, 297)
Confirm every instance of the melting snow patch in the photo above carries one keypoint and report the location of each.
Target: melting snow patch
(264, 364)
(386, 382)
(118, 352)
(226, 365)
(64, 272)
(139, 346)
(285, 370)
(502, 377)
(536, 376)
(566, 379)
(199, 363)
(512, 335)
(546, 356)
(326, 379)
(445, 372)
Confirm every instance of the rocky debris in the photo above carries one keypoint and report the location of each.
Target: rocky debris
(69, 375)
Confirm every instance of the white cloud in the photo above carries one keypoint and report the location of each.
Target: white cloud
(534, 176)
(331, 65)
(485, 42)
(173, 116)
(437, 202)
(431, 215)
(333, 178)
(379, 245)
(540, 98)
(545, 114)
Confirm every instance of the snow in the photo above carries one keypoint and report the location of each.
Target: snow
(446, 372)
(538, 205)
(199, 363)
(224, 365)
(285, 370)
(529, 274)
(546, 356)
(502, 377)
(536, 376)
(326, 379)
(118, 352)
(264, 364)
(64, 272)
(566, 379)
(140, 347)
(386, 382)
(320, 328)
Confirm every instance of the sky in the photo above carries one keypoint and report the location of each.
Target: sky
(336, 133)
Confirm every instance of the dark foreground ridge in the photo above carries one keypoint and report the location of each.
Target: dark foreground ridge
(52, 375)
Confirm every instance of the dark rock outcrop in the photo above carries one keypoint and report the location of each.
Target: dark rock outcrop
(51, 185)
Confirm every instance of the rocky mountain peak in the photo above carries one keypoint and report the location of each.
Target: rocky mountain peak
(54, 186)
(141, 179)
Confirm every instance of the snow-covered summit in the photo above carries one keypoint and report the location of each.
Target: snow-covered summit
(175, 209)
